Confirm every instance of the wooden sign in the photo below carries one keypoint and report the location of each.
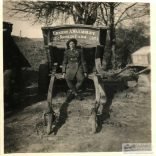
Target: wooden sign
(87, 36)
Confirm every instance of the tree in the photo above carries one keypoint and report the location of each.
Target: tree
(112, 14)
(49, 11)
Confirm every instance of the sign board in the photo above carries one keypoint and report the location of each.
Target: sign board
(87, 36)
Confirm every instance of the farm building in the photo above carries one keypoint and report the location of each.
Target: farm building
(13, 61)
(12, 56)
(141, 57)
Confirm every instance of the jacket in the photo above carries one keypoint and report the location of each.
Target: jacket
(74, 63)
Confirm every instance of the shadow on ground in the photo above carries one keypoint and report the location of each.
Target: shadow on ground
(26, 95)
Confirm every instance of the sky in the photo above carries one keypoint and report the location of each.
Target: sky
(26, 27)
(22, 26)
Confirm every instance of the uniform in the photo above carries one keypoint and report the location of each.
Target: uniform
(74, 65)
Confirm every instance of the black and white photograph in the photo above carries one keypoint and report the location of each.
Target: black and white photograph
(77, 77)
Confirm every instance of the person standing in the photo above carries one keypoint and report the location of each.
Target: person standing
(74, 68)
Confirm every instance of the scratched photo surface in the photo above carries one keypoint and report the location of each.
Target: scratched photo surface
(77, 76)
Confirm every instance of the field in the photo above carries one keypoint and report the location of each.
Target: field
(129, 122)
(33, 50)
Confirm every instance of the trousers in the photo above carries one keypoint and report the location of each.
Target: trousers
(74, 87)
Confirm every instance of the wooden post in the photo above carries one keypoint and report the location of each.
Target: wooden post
(100, 96)
(49, 109)
(99, 85)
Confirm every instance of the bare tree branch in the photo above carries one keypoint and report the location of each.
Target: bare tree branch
(119, 19)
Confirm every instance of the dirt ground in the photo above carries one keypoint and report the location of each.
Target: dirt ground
(129, 122)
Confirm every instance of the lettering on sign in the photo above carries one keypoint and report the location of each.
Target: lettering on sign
(84, 34)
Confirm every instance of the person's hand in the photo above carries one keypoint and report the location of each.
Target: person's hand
(85, 74)
(63, 75)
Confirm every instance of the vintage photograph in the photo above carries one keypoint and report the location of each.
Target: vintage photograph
(77, 76)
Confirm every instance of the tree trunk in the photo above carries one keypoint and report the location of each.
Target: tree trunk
(112, 36)
(84, 16)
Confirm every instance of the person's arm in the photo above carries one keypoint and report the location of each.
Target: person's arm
(84, 64)
(64, 64)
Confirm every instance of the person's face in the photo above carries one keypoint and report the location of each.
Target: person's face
(72, 45)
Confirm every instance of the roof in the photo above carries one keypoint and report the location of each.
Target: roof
(142, 51)
(7, 23)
